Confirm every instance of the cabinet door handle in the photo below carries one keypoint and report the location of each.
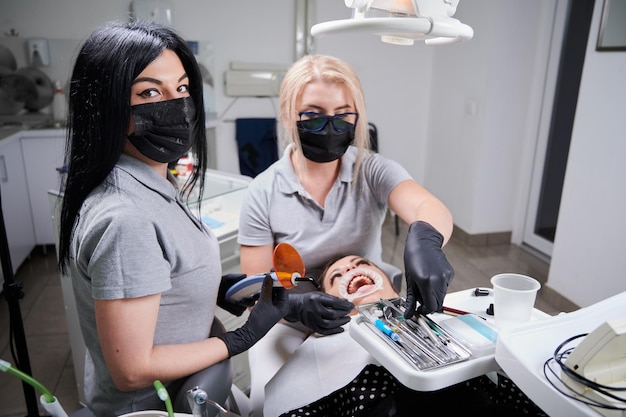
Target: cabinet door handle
(5, 172)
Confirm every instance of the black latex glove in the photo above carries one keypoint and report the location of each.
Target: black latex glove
(234, 307)
(427, 270)
(273, 305)
(320, 312)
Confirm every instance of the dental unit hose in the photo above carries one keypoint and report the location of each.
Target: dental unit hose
(48, 401)
(164, 396)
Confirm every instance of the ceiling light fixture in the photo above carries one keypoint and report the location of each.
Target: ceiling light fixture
(401, 22)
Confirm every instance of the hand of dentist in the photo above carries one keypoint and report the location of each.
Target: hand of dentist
(273, 305)
(234, 307)
(427, 270)
(322, 313)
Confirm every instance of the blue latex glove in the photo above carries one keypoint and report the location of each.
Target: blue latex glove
(273, 305)
(320, 312)
(427, 270)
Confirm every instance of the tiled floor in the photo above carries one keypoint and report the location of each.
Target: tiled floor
(48, 341)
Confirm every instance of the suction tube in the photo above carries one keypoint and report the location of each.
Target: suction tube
(47, 400)
(164, 396)
(6, 367)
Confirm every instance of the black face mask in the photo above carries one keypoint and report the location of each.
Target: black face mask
(164, 129)
(326, 145)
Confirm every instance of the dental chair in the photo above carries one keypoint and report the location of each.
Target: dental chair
(216, 380)
(374, 147)
(394, 273)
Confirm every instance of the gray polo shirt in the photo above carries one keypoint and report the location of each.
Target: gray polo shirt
(278, 209)
(134, 238)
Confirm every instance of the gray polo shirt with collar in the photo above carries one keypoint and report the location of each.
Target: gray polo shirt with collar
(278, 209)
(134, 237)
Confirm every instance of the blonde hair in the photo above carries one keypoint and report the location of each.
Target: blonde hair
(330, 70)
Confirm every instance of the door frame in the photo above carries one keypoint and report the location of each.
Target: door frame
(537, 134)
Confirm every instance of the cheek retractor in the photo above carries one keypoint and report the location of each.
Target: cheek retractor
(359, 282)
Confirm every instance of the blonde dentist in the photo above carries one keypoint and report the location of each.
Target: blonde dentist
(329, 194)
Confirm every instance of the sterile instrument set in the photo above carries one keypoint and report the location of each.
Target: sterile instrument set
(419, 340)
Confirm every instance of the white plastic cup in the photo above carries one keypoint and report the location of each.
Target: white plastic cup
(514, 298)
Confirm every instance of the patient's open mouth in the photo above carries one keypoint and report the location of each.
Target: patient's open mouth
(359, 282)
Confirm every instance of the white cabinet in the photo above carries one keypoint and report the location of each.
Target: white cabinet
(15, 201)
(43, 152)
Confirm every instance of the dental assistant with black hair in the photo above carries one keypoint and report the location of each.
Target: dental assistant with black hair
(145, 270)
(329, 194)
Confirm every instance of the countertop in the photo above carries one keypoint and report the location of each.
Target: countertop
(11, 125)
(6, 131)
(9, 133)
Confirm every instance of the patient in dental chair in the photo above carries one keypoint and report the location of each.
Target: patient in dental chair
(336, 376)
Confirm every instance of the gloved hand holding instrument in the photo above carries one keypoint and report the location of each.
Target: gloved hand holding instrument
(318, 311)
(238, 290)
(427, 270)
(272, 305)
(236, 307)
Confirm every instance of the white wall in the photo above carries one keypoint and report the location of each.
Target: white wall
(395, 79)
(480, 100)
(461, 118)
(589, 257)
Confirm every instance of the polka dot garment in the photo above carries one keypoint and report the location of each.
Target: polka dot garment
(375, 392)
(372, 388)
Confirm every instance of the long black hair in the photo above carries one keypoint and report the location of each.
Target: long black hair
(99, 110)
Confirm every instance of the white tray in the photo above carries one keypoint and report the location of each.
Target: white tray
(434, 379)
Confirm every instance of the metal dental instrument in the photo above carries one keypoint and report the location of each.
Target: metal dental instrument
(429, 332)
(380, 325)
(423, 344)
(198, 400)
(413, 354)
(431, 341)
(410, 332)
(419, 340)
(392, 306)
(422, 321)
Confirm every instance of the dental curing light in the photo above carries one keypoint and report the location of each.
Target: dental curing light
(401, 22)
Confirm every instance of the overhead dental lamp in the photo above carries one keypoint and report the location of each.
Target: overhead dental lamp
(401, 22)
